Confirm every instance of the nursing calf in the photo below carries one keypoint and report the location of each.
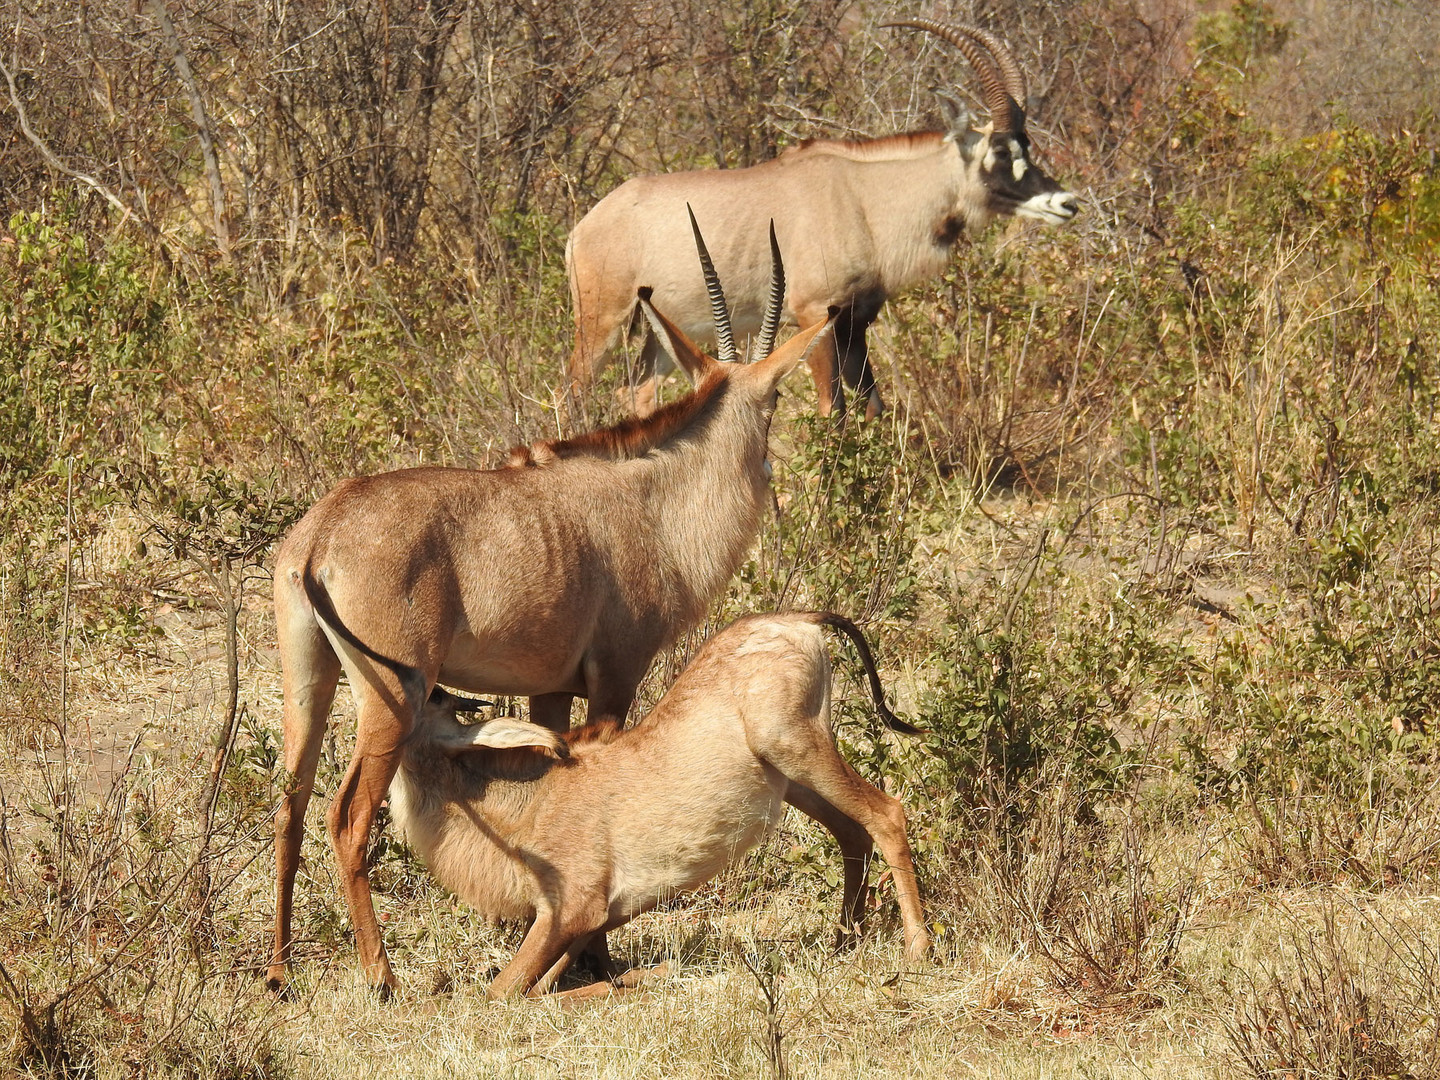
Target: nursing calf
(584, 831)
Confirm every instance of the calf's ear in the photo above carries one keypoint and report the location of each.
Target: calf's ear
(794, 352)
(503, 733)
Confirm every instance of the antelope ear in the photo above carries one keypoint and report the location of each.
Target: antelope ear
(684, 352)
(503, 733)
(958, 120)
(789, 356)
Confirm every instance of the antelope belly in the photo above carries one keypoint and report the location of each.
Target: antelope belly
(686, 851)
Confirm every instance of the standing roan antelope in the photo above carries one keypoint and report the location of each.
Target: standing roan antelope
(584, 832)
(858, 221)
(564, 577)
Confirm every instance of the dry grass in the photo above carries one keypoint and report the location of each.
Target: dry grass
(1080, 956)
(1148, 541)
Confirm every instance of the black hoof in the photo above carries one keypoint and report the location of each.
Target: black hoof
(283, 989)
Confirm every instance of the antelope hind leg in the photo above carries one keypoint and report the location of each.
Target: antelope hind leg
(311, 672)
(825, 372)
(856, 849)
(386, 716)
(831, 777)
(642, 393)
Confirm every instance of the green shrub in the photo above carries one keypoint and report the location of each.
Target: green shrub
(85, 357)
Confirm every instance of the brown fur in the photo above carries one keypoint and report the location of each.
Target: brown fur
(702, 779)
(630, 438)
(603, 730)
(886, 148)
(553, 581)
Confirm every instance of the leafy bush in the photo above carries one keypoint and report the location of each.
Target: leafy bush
(85, 358)
(848, 497)
(1008, 705)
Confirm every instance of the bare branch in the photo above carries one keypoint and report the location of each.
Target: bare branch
(51, 158)
(186, 76)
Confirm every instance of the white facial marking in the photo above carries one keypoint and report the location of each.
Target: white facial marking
(1018, 165)
(1054, 207)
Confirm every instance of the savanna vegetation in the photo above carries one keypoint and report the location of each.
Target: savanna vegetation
(1147, 540)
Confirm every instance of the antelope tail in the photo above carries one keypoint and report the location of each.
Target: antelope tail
(325, 614)
(850, 630)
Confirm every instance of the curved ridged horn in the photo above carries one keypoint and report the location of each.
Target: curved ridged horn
(444, 698)
(1005, 60)
(724, 336)
(770, 326)
(1006, 114)
(467, 705)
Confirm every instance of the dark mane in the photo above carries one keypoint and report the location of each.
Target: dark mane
(886, 148)
(630, 438)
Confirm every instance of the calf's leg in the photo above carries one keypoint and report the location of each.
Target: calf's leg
(551, 944)
(820, 768)
(855, 851)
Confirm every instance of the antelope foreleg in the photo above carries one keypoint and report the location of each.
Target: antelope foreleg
(551, 711)
(855, 369)
(546, 951)
(633, 979)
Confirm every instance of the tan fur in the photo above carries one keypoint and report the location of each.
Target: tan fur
(563, 576)
(857, 222)
(744, 729)
(870, 232)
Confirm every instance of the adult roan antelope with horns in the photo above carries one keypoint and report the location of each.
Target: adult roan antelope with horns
(559, 576)
(858, 221)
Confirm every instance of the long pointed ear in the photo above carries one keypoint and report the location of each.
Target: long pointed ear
(789, 356)
(684, 352)
(503, 733)
(958, 120)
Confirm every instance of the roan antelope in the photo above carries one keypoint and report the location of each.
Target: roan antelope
(582, 832)
(859, 222)
(561, 577)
